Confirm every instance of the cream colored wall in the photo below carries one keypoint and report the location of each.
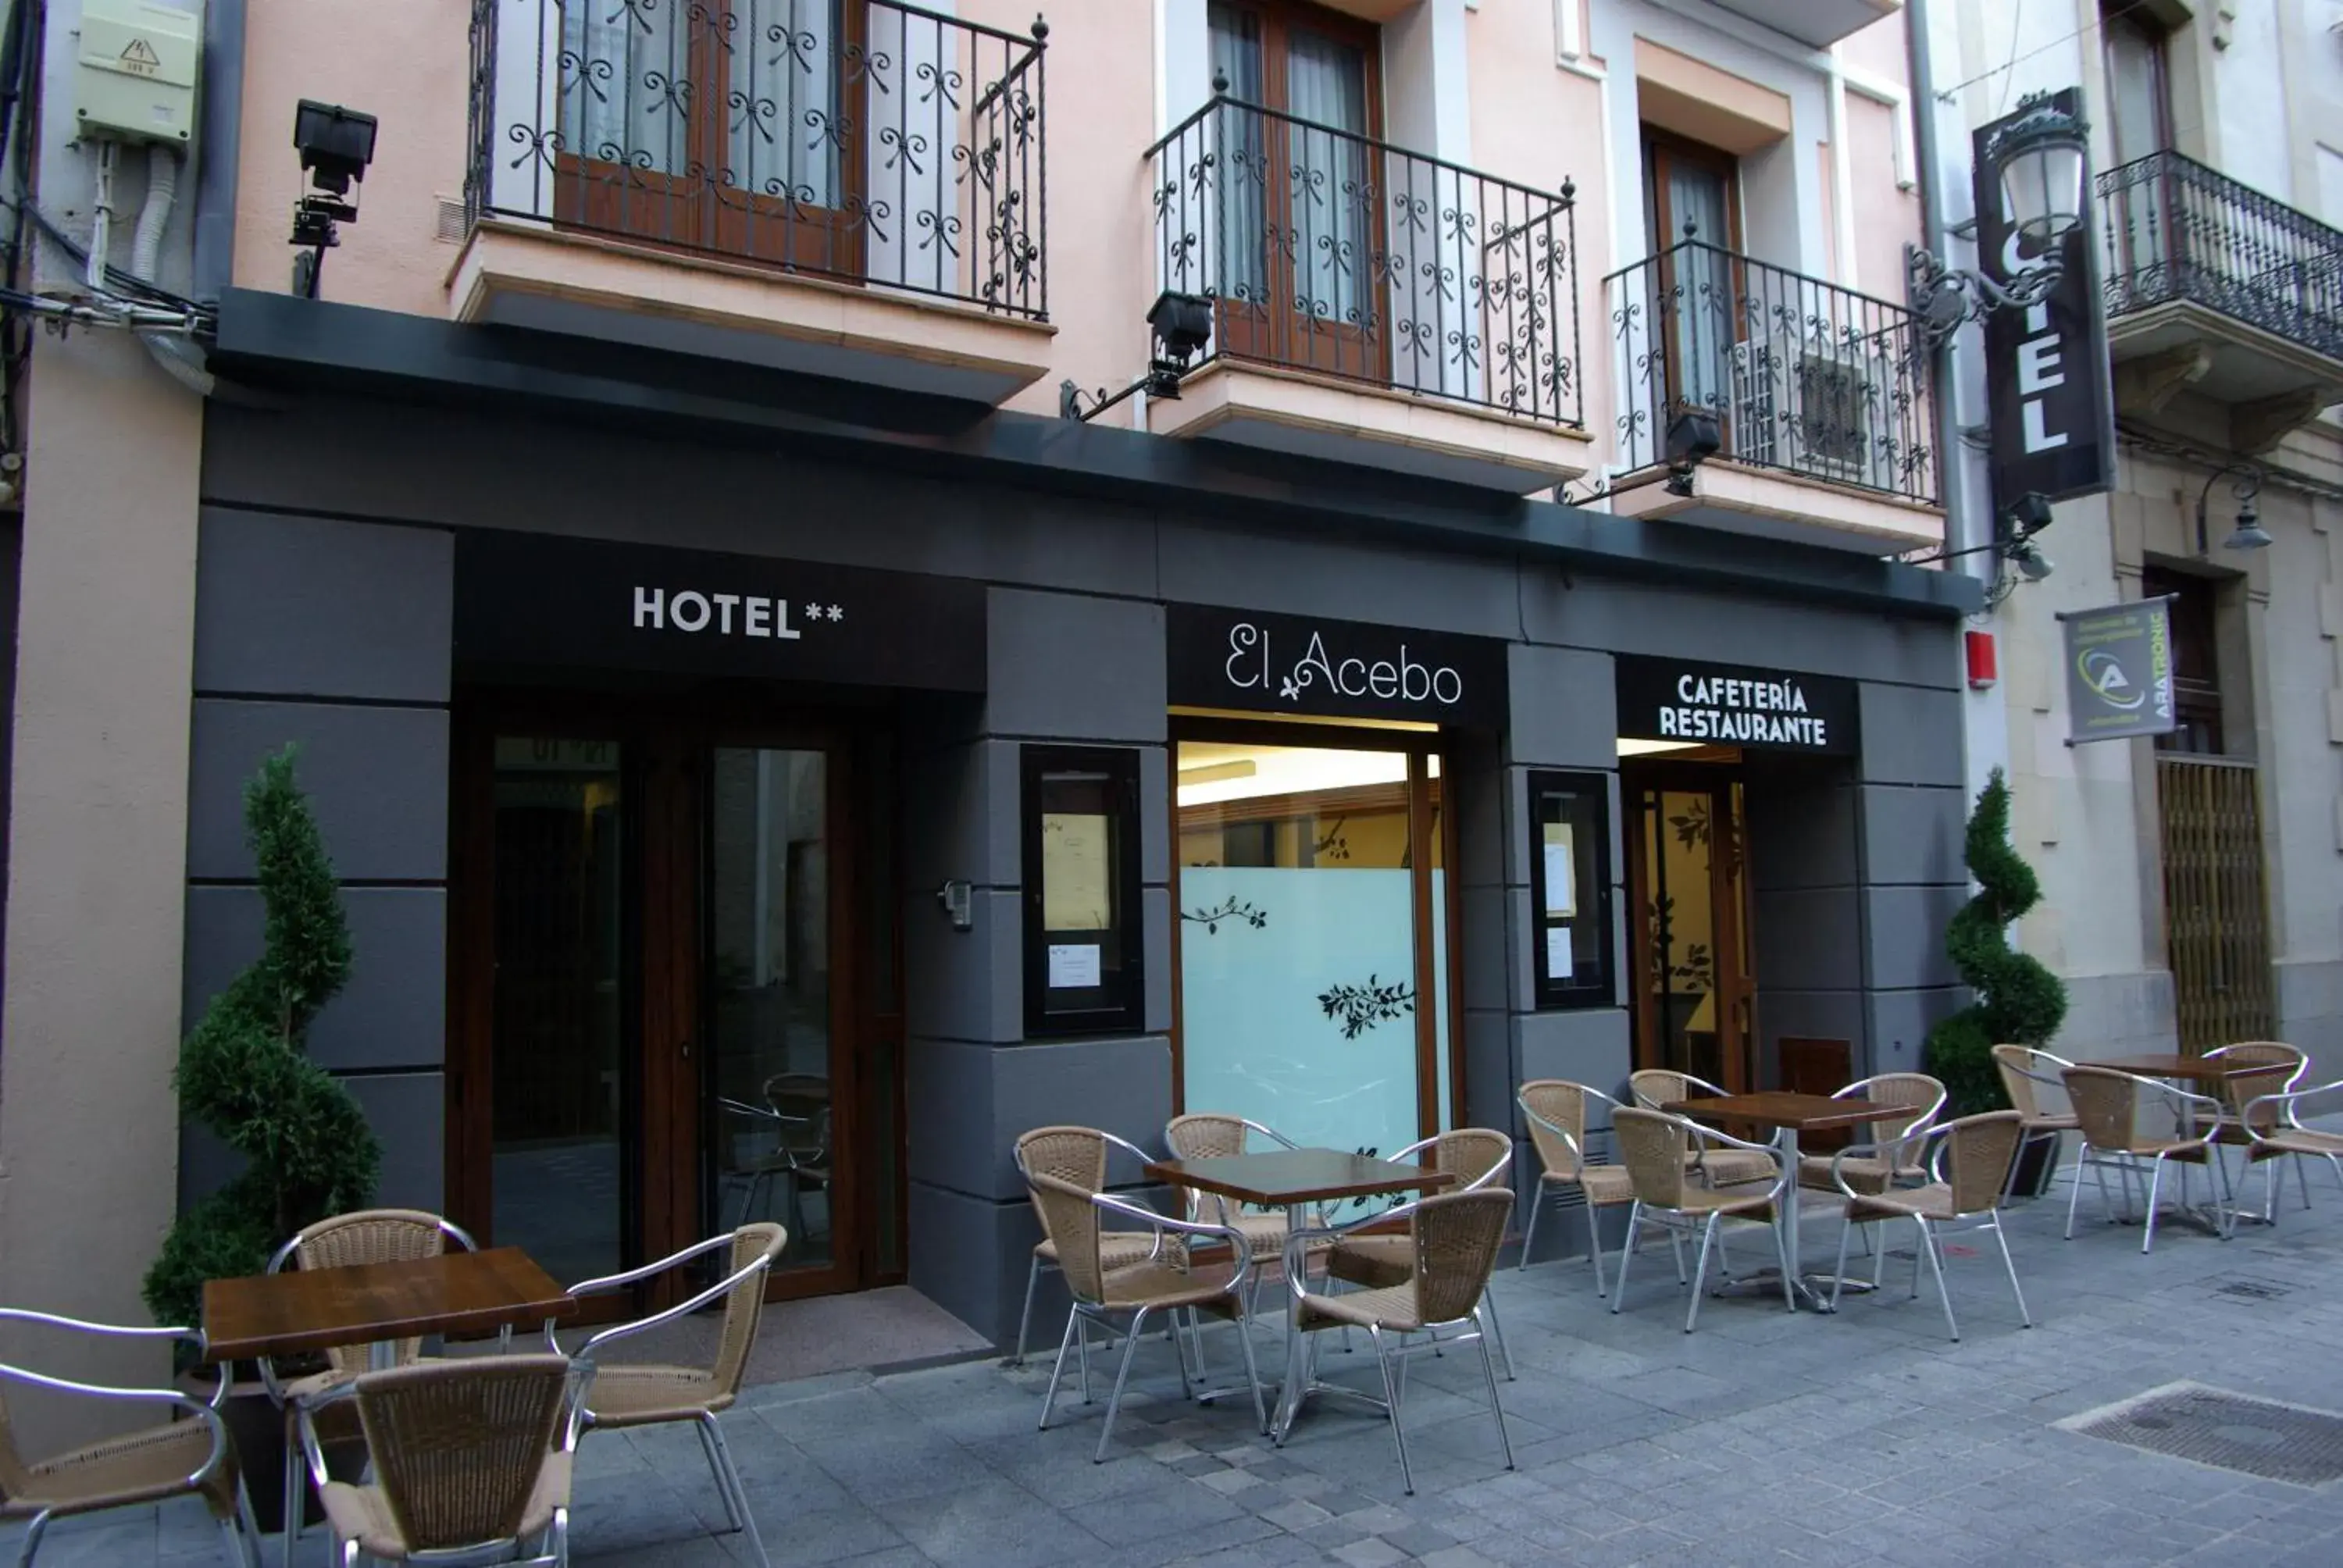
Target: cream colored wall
(97, 855)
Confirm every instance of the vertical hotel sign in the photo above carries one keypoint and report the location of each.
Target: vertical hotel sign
(2047, 365)
(2119, 671)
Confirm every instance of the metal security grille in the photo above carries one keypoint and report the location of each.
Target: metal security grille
(2215, 913)
(2212, 1426)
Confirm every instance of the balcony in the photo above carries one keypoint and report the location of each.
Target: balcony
(2215, 289)
(851, 190)
(1371, 305)
(1824, 407)
(1817, 23)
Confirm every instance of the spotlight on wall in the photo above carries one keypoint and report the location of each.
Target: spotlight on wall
(335, 146)
(1179, 327)
(1694, 437)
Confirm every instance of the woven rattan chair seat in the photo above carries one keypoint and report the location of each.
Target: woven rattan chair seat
(1118, 1249)
(363, 1513)
(1162, 1287)
(1391, 1307)
(1863, 1173)
(1729, 1167)
(1378, 1262)
(1933, 1201)
(644, 1393)
(2303, 1140)
(142, 1467)
(1604, 1184)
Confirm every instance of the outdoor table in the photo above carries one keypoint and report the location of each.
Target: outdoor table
(1293, 1180)
(1789, 1115)
(377, 1304)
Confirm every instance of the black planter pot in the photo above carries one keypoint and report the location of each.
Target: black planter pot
(2036, 1164)
(255, 1425)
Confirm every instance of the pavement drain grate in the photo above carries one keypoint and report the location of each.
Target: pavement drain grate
(2254, 1290)
(2233, 1431)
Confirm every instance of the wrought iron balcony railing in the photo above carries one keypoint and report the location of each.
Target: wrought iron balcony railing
(1328, 252)
(1800, 374)
(2170, 229)
(865, 141)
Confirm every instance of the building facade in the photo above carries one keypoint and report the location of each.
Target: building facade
(2193, 885)
(802, 683)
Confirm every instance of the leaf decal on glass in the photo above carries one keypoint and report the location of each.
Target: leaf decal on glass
(1229, 908)
(1359, 1008)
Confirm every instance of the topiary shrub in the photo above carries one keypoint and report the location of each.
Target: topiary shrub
(2018, 1001)
(244, 1071)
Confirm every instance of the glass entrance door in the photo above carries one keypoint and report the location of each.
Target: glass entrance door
(1695, 989)
(655, 1009)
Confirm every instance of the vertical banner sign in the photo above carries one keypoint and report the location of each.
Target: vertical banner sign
(2119, 671)
(2047, 367)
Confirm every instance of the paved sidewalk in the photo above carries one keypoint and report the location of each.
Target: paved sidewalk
(1765, 1438)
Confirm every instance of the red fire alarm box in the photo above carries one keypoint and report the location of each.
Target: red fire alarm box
(1984, 666)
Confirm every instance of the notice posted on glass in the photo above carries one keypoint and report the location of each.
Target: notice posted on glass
(1557, 952)
(1074, 965)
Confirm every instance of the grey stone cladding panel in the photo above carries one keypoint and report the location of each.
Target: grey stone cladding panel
(394, 1012)
(315, 607)
(1904, 927)
(1071, 667)
(376, 776)
(1564, 705)
(1912, 834)
(1911, 736)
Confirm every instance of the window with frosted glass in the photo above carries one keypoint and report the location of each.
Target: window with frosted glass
(1305, 910)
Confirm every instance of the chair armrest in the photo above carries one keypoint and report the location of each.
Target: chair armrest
(117, 1331)
(713, 1293)
(609, 1282)
(1164, 1225)
(207, 1413)
(2291, 1100)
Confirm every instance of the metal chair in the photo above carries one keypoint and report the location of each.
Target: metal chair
(2273, 1122)
(470, 1460)
(1656, 1088)
(1980, 1149)
(2029, 1077)
(2107, 1110)
(2269, 1067)
(1211, 1136)
(1374, 1256)
(797, 1113)
(1655, 1146)
(363, 1236)
(1161, 1283)
(637, 1394)
(1453, 1240)
(1900, 1144)
(1557, 1109)
(188, 1456)
(1079, 1155)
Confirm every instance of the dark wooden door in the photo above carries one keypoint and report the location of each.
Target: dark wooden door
(1693, 984)
(656, 1007)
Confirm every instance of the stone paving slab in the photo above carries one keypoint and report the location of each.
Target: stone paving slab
(1765, 1438)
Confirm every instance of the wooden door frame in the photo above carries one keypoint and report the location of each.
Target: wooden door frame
(1419, 745)
(1256, 334)
(1729, 916)
(668, 1000)
(607, 199)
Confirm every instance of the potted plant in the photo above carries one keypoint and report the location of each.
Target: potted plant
(244, 1072)
(2018, 1001)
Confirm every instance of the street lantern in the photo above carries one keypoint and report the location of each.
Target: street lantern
(2040, 157)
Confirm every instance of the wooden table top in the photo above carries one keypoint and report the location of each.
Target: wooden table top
(2195, 1068)
(367, 1303)
(1781, 1108)
(1285, 1177)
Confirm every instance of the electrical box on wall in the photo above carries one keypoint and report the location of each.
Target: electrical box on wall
(136, 79)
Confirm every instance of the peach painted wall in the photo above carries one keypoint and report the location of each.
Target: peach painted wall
(1531, 122)
(407, 64)
(1886, 218)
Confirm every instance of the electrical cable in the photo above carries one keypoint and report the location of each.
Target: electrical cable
(1945, 94)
